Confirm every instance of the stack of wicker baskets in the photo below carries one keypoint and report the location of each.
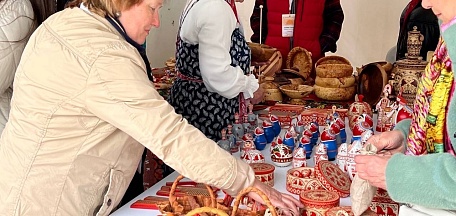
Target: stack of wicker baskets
(334, 81)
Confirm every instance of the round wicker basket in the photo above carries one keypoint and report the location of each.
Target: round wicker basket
(296, 91)
(301, 60)
(271, 90)
(261, 52)
(334, 70)
(332, 60)
(335, 94)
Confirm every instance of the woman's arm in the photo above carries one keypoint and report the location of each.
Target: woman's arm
(119, 92)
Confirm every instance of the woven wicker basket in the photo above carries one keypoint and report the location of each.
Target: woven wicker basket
(334, 70)
(296, 91)
(300, 60)
(242, 212)
(271, 90)
(183, 205)
(332, 60)
(261, 52)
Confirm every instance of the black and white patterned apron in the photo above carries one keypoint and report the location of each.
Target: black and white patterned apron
(208, 111)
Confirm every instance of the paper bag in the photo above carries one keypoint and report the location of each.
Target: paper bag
(361, 192)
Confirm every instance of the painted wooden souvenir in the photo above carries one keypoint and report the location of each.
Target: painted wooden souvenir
(249, 136)
(328, 138)
(342, 136)
(408, 71)
(224, 143)
(275, 125)
(299, 128)
(232, 138)
(264, 172)
(252, 117)
(403, 110)
(359, 127)
(365, 136)
(278, 140)
(385, 109)
(315, 128)
(369, 120)
(353, 149)
(305, 141)
(260, 139)
(293, 132)
(281, 155)
(356, 109)
(317, 202)
(333, 178)
(382, 204)
(342, 156)
(248, 128)
(247, 146)
(299, 154)
(253, 156)
(238, 128)
(302, 178)
(289, 140)
(268, 131)
(321, 154)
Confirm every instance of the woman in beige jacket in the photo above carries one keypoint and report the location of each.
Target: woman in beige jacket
(83, 110)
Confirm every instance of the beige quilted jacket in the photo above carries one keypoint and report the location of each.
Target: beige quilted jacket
(82, 112)
(16, 25)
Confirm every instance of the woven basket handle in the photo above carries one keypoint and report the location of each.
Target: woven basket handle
(259, 192)
(206, 210)
(173, 198)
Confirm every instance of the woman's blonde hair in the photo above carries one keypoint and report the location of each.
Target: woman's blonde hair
(105, 7)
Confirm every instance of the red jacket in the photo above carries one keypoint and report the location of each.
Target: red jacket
(317, 25)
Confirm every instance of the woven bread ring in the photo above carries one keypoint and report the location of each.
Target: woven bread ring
(334, 70)
(334, 94)
(259, 192)
(206, 210)
(341, 82)
(172, 197)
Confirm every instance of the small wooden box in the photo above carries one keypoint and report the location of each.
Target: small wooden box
(383, 205)
(317, 202)
(302, 178)
(264, 172)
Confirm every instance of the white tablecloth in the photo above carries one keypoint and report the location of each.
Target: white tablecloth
(279, 184)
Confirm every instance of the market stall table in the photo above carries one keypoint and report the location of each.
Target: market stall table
(279, 184)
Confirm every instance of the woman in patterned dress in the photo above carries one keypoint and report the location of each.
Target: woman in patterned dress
(213, 64)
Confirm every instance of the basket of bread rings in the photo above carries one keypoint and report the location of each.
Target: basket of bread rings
(202, 200)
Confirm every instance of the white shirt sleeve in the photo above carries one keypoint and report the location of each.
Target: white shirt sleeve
(210, 24)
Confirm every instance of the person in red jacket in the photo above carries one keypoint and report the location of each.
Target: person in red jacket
(317, 25)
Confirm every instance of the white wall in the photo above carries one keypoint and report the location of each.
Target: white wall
(161, 41)
(369, 30)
